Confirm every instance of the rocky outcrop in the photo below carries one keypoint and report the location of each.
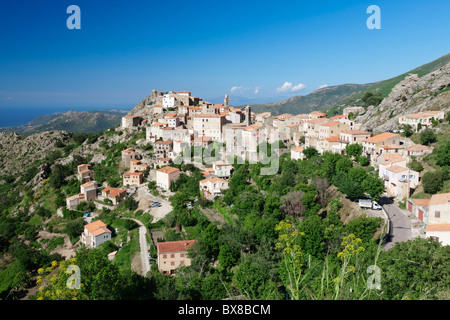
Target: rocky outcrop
(411, 95)
(144, 108)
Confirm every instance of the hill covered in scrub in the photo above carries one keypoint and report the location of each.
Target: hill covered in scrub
(71, 121)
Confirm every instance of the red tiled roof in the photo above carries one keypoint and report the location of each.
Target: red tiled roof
(381, 137)
(168, 170)
(174, 246)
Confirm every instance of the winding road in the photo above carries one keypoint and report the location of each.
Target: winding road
(400, 228)
(143, 248)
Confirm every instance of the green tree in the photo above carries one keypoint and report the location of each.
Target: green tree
(313, 241)
(427, 137)
(415, 165)
(344, 165)
(432, 181)
(372, 99)
(364, 161)
(415, 269)
(310, 152)
(407, 130)
(374, 186)
(354, 150)
(254, 282)
(228, 257)
(442, 154)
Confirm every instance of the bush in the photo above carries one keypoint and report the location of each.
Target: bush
(433, 181)
(416, 166)
(427, 137)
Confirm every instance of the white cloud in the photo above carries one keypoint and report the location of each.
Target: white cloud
(236, 88)
(287, 86)
(256, 90)
(323, 86)
(298, 87)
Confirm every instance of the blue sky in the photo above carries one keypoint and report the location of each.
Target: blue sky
(245, 48)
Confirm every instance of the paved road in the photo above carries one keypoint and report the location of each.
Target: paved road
(400, 223)
(143, 246)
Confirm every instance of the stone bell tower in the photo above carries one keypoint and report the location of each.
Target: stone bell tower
(248, 115)
(226, 100)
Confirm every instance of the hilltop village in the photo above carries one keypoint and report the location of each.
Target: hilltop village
(180, 122)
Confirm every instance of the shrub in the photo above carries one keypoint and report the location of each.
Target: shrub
(433, 181)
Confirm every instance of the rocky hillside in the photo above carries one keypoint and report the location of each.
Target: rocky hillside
(71, 121)
(411, 95)
(144, 107)
(384, 88)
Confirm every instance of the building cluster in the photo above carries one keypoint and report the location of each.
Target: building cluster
(181, 122)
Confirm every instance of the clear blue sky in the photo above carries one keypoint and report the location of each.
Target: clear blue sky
(127, 48)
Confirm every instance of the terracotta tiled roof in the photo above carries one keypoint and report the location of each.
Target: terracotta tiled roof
(297, 149)
(330, 124)
(113, 192)
(438, 227)
(164, 142)
(356, 132)
(174, 246)
(332, 139)
(440, 198)
(381, 137)
(252, 127)
(397, 169)
(97, 227)
(213, 180)
(318, 113)
(133, 173)
(421, 202)
(392, 157)
(418, 147)
(168, 170)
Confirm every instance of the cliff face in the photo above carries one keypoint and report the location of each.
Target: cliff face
(411, 95)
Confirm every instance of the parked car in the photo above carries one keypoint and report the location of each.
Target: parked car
(155, 204)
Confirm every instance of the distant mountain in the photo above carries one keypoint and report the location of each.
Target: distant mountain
(317, 100)
(71, 121)
(243, 101)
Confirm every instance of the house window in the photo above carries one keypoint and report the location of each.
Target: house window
(164, 256)
(437, 214)
(182, 262)
(181, 255)
(172, 255)
(172, 263)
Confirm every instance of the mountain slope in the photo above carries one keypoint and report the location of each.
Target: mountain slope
(317, 100)
(71, 121)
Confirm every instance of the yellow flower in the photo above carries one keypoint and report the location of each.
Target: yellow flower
(54, 263)
(40, 298)
(40, 270)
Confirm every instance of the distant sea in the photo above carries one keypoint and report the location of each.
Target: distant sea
(11, 117)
